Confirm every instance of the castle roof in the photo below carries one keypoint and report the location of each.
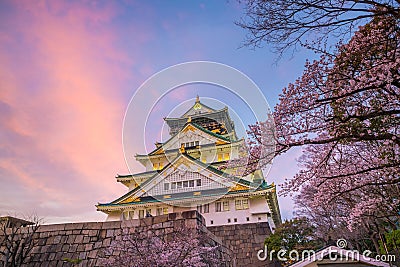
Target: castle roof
(189, 124)
(242, 185)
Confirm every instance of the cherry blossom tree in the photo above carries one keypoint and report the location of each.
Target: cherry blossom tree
(163, 248)
(344, 112)
(345, 109)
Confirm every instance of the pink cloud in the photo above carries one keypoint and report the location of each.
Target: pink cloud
(63, 87)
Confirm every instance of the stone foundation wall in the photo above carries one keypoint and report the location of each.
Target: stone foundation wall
(244, 240)
(86, 243)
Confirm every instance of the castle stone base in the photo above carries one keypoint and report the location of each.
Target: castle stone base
(86, 243)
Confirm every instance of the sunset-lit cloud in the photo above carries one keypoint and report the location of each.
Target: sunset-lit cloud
(62, 105)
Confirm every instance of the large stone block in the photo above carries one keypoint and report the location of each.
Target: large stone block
(130, 223)
(73, 226)
(111, 225)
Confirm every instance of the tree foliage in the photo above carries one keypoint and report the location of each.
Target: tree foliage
(17, 239)
(163, 248)
(295, 234)
(344, 112)
(289, 23)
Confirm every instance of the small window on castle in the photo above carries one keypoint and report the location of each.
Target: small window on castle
(218, 206)
(219, 157)
(141, 214)
(226, 205)
(191, 183)
(241, 204)
(166, 186)
(226, 156)
(159, 211)
(259, 218)
(229, 220)
(245, 203)
(148, 212)
(247, 219)
(179, 185)
(206, 208)
(126, 215)
(191, 143)
(196, 143)
(212, 222)
(165, 210)
(198, 182)
(235, 220)
(160, 165)
(173, 185)
(199, 208)
(185, 184)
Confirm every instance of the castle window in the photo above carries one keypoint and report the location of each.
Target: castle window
(141, 214)
(185, 184)
(199, 208)
(235, 220)
(226, 156)
(196, 143)
(212, 222)
(191, 143)
(229, 220)
(173, 185)
(241, 204)
(218, 206)
(148, 212)
(159, 211)
(179, 185)
(198, 182)
(191, 183)
(226, 205)
(165, 210)
(247, 219)
(206, 208)
(219, 157)
(126, 215)
(245, 203)
(160, 165)
(166, 186)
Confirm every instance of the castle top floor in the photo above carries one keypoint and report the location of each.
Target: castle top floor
(216, 121)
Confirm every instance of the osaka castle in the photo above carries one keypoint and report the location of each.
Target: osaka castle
(191, 171)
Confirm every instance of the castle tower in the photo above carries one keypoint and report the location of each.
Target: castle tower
(185, 173)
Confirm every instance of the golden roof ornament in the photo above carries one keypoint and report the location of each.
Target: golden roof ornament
(189, 119)
(197, 99)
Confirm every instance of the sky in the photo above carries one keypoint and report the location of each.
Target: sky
(68, 70)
